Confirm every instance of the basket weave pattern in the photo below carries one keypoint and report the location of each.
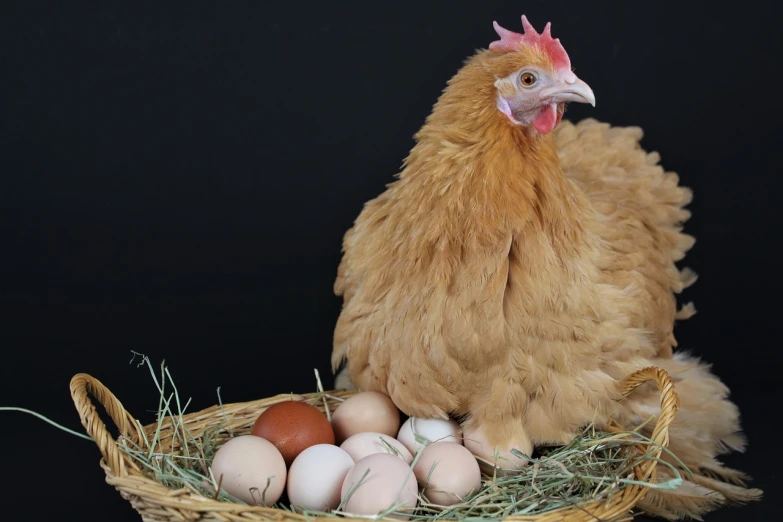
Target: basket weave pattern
(156, 502)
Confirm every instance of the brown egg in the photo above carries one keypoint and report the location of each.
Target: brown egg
(293, 426)
(365, 411)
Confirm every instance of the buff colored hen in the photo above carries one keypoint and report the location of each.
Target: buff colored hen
(520, 266)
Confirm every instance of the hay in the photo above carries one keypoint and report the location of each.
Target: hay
(595, 465)
(599, 475)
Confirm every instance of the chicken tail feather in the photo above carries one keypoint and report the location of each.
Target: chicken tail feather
(688, 501)
(698, 495)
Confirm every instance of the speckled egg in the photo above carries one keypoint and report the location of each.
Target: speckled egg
(251, 469)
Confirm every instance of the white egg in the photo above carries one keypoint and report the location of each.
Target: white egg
(251, 469)
(434, 430)
(315, 478)
(367, 443)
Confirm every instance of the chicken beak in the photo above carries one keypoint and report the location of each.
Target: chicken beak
(572, 90)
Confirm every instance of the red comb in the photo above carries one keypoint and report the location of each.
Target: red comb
(510, 41)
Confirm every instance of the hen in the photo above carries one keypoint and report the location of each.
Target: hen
(520, 266)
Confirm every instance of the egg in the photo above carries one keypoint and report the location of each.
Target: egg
(251, 469)
(365, 411)
(367, 443)
(316, 476)
(390, 483)
(448, 472)
(504, 461)
(434, 430)
(293, 426)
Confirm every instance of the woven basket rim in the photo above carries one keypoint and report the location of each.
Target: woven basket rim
(147, 495)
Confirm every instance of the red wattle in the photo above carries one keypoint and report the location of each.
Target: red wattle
(547, 119)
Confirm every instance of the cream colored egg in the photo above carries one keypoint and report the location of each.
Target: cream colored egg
(365, 411)
(367, 443)
(448, 472)
(315, 478)
(251, 469)
(389, 483)
(433, 430)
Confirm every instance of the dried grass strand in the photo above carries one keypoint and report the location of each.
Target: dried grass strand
(179, 444)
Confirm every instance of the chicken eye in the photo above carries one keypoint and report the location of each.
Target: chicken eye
(527, 79)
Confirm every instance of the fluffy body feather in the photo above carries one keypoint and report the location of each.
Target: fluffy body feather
(511, 278)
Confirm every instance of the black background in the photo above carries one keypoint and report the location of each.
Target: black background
(176, 180)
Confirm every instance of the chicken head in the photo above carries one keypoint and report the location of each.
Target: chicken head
(536, 93)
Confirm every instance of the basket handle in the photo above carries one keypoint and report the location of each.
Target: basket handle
(84, 385)
(670, 403)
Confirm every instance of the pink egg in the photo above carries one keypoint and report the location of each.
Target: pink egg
(251, 469)
(389, 483)
(368, 443)
(365, 411)
(448, 471)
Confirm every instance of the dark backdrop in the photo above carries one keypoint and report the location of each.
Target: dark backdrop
(176, 180)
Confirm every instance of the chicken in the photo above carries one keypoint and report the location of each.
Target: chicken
(521, 266)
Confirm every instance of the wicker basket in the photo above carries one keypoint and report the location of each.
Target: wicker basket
(156, 502)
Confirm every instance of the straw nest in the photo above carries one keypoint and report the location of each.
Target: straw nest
(162, 468)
